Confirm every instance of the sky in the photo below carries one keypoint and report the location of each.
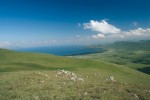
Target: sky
(29, 23)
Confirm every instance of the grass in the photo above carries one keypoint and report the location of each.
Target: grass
(32, 85)
(135, 55)
(33, 76)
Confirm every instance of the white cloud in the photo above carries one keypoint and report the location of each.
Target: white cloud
(106, 30)
(98, 36)
(78, 36)
(5, 44)
(139, 32)
(48, 41)
(102, 27)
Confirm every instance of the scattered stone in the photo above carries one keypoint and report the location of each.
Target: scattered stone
(42, 81)
(64, 83)
(73, 76)
(85, 93)
(111, 78)
(80, 79)
(42, 74)
(136, 96)
(46, 75)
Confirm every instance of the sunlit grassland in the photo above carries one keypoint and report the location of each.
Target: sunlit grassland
(32, 76)
(28, 85)
(135, 55)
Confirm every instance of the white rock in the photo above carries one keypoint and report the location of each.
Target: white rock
(111, 78)
(73, 78)
(80, 79)
(85, 93)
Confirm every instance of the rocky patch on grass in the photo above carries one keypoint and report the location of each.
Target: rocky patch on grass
(110, 78)
(65, 73)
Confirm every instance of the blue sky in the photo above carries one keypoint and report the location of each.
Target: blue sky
(60, 22)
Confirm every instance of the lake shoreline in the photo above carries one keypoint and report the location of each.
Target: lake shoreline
(63, 50)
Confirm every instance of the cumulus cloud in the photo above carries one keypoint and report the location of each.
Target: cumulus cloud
(102, 27)
(136, 33)
(105, 30)
(98, 36)
(139, 32)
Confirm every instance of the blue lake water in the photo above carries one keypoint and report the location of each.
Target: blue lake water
(62, 50)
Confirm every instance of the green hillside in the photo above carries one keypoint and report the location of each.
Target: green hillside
(33, 76)
(135, 55)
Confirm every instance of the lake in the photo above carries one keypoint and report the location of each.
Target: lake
(62, 50)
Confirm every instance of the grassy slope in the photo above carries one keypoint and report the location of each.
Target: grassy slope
(135, 55)
(20, 78)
